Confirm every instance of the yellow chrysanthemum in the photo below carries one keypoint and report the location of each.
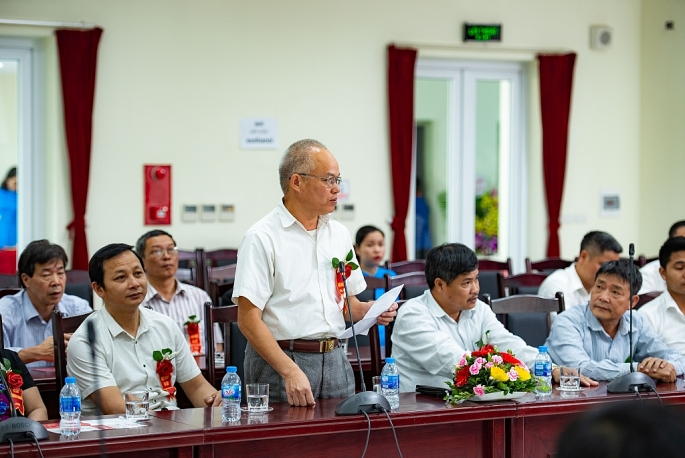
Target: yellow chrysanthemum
(523, 374)
(499, 375)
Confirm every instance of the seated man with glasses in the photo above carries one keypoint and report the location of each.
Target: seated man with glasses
(290, 306)
(167, 295)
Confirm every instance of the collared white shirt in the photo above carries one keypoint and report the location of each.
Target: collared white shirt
(666, 319)
(568, 282)
(428, 343)
(651, 278)
(288, 274)
(125, 361)
(187, 300)
(23, 327)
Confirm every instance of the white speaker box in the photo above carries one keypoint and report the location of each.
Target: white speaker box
(601, 37)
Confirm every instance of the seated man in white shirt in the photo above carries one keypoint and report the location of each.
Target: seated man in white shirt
(127, 337)
(167, 295)
(433, 331)
(576, 280)
(651, 272)
(665, 313)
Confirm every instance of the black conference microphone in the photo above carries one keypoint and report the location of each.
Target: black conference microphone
(633, 381)
(365, 401)
(19, 429)
(96, 394)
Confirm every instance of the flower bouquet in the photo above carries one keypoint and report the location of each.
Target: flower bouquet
(487, 371)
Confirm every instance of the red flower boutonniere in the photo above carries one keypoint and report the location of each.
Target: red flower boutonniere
(164, 370)
(15, 381)
(193, 328)
(349, 267)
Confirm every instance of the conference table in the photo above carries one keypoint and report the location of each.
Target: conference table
(425, 426)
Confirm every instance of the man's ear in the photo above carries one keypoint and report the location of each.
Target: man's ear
(24, 279)
(636, 298)
(99, 290)
(662, 272)
(583, 256)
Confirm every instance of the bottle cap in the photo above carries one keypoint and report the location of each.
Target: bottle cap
(231, 369)
(390, 360)
(70, 380)
(542, 349)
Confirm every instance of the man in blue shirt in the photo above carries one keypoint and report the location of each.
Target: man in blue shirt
(26, 316)
(595, 336)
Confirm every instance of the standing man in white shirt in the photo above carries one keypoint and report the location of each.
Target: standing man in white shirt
(665, 314)
(577, 280)
(290, 307)
(651, 273)
(167, 295)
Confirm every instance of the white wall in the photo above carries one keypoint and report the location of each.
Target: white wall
(662, 161)
(175, 77)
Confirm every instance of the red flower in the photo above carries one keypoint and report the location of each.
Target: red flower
(14, 380)
(165, 368)
(507, 358)
(483, 352)
(462, 376)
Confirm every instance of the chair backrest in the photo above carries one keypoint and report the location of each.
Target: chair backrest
(79, 284)
(217, 290)
(490, 264)
(528, 316)
(647, 297)
(187, 275)
(491, 283)
(527, 283)
(405, 267)
(63, 325)
(377, 358)
(372, 284)
(414, 284)
(222, 257)
(191, 267)
(221, 273)
(234, 342)
(9, 281)
(9, 291)
(547, 265)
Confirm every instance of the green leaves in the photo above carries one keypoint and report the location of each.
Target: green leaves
(157, 355)
(335, 263)
(353, 266)
(349, 256)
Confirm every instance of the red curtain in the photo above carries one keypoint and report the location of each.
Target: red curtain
(78, 51)
(401, 64)
(556, 82)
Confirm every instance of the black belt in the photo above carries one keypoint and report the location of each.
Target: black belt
(309, 346)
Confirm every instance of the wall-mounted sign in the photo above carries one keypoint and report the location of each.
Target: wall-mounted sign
(482, 32)
(259, 133)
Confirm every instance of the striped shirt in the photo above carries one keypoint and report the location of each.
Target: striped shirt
(187, 300)
(578, 339)
(23, 327)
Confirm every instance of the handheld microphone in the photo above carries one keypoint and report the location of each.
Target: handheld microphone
(633, 381)
(365, 401)
(96, 395)
(19, 429)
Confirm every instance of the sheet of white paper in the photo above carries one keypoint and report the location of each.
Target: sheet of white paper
(105, 423)
(381, 305)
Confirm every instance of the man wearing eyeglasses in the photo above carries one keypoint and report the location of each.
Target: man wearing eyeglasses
(289, 305)
(165, 294)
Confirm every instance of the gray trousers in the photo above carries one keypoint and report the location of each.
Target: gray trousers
(330, 374)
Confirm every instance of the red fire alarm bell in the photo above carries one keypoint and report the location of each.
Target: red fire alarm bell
(157, 195)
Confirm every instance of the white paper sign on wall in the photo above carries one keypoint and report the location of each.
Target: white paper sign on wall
(259, 133)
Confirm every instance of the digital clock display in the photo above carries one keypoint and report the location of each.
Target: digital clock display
(482, 32)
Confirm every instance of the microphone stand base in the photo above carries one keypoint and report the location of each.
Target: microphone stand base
(366, 401)
(628, 382)
(18, 429)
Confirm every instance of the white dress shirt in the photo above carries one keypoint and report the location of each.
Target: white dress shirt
(287, 272)
(666, 319)
(187, 300)
(568, 282)
(428, 343)
(651, 278)
(125, 361)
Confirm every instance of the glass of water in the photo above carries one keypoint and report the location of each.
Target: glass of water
(137, 404)
(569, 378)
(257, 397)
(376, 381)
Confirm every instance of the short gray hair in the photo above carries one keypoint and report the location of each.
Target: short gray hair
(297, 159)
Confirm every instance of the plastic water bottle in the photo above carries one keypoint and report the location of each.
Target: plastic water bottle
(230, 395)
(543, 372)
(70, 408)
(390, 383)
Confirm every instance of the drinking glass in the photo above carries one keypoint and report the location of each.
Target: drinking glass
(137, 404)
(569, 378)
(257, 397)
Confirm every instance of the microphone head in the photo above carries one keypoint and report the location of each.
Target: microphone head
(631, 249)
(91, 332)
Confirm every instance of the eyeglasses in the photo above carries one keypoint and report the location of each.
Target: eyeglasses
(330, 181)
(159, 252)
